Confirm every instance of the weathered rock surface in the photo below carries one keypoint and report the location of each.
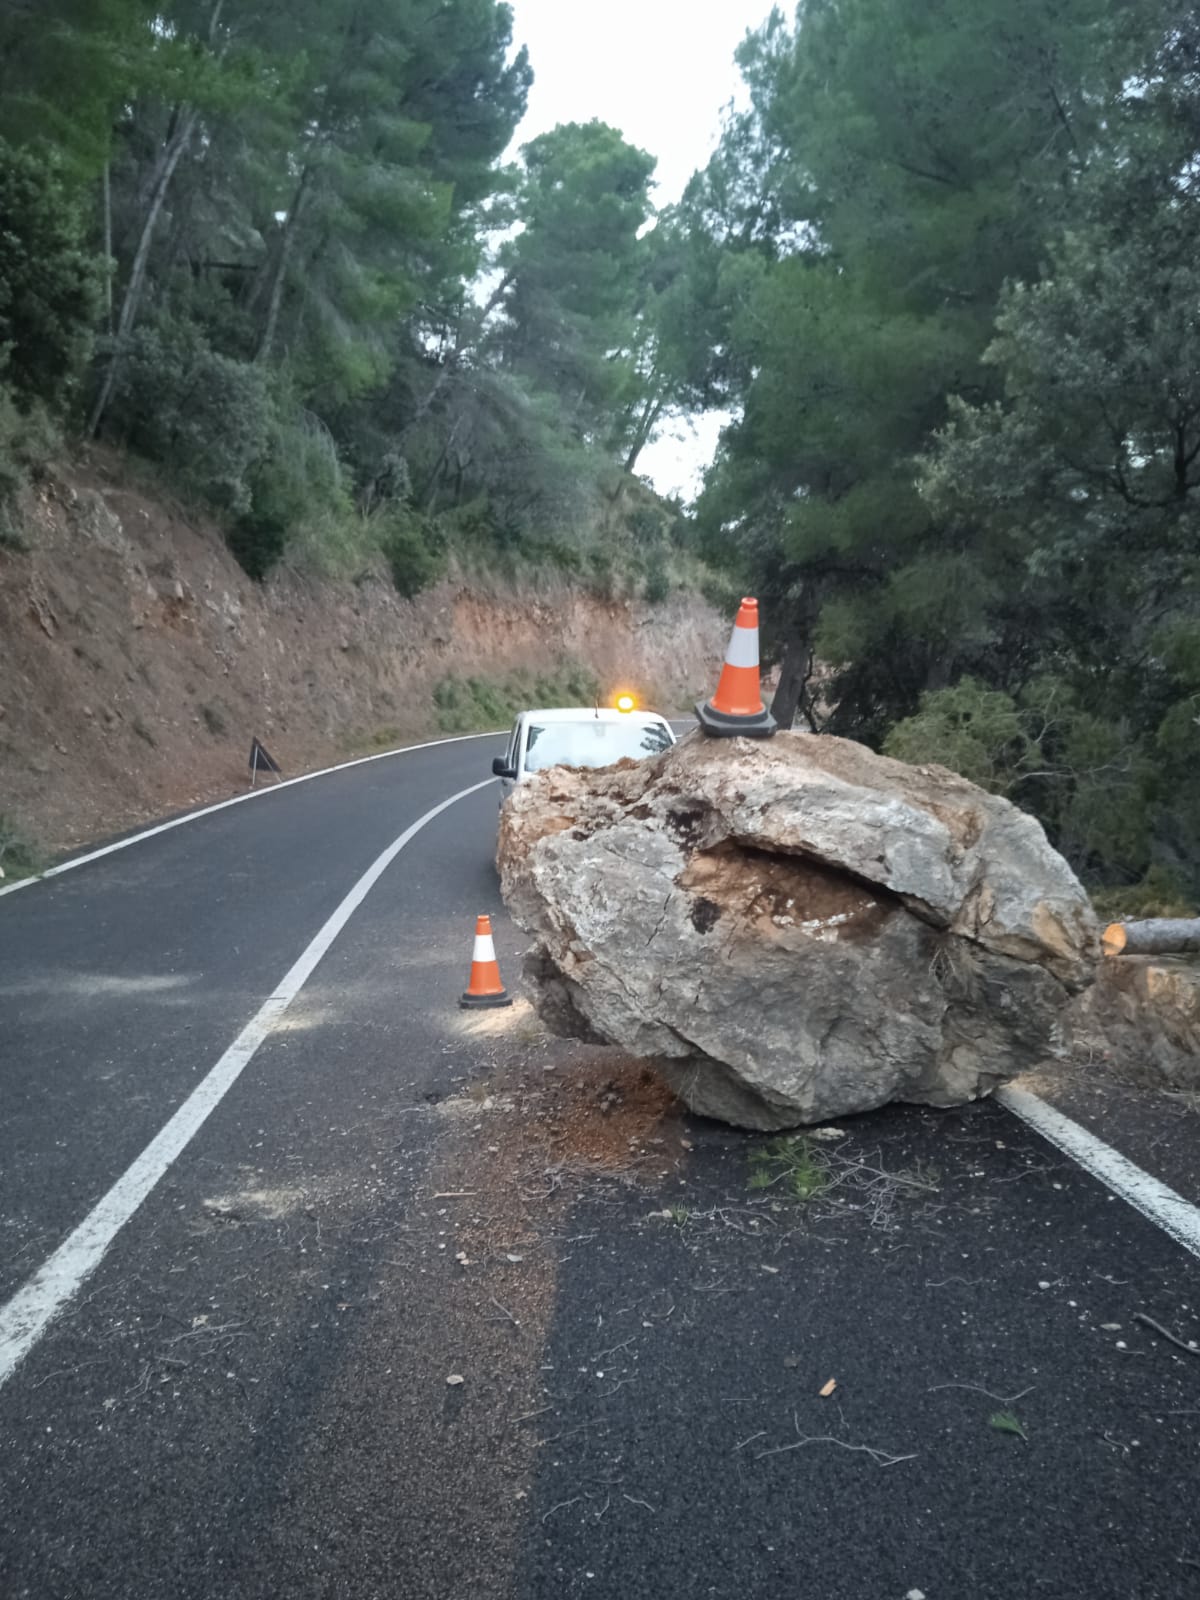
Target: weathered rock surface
(796, 928)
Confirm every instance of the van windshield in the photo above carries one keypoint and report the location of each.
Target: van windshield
(592, 743)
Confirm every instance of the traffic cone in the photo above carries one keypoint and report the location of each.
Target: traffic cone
(737, 710)
(485, 988)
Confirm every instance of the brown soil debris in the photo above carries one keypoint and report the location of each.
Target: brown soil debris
(597, 1116)
(604, 1114)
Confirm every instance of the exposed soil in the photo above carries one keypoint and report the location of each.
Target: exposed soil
(139, 661)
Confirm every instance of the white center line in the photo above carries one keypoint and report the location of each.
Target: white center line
(25, 1317)
(1170, 1211)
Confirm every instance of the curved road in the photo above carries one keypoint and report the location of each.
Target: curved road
(245, 1393)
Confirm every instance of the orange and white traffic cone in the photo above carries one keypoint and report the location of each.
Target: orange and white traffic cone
(737, 710)
(485, 988)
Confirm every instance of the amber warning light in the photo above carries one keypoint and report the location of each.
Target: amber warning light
(625, 702)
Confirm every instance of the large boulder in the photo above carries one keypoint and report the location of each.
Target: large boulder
(795, 928)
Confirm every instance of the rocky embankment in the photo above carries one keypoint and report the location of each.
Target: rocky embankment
(138, 660)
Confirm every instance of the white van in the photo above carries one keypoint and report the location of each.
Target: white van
(578, 736)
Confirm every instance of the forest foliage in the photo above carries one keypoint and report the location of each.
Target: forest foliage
(275, 247)
(943, 273)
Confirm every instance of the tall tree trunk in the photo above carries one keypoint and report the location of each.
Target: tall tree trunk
(793, 679)
(283, 257)
(428, 496)
(466, 338)
(654, 409)
(184, 123)
(181, 127)
(108, 251)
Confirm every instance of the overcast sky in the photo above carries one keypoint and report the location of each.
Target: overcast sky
(661, 71)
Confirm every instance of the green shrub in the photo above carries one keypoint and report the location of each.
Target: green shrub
(467, 705)
(658, 581)
(27, 439)
(19, 858)
(602, 574)
(414, 553)
(49, 282)
(258, 543)
(205, 417)
(645, 525)
(1159, 894)
(298, 498)
(975, 731)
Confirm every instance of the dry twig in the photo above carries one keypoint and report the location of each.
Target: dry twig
(634, 1501)
(1004, 1399)
(1140, 1316)
(505, 1311)
(881, 1458)
(562, 1506)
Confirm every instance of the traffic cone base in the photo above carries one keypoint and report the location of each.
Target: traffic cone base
(735, 724)
(475, 1002)
(736, 710)
(485, 987)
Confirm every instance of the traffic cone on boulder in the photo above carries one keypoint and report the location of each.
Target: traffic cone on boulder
(485, 988)
(737, 710)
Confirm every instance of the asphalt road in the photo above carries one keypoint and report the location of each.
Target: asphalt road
(249, 1396)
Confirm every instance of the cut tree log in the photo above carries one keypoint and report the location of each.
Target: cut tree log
(1156, 936)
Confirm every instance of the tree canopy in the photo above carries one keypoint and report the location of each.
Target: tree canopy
(942, 273)
(289, 263)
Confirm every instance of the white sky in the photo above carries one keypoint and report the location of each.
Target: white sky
(661, 71)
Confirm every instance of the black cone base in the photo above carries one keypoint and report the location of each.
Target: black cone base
(477, 1002)
(721, 725)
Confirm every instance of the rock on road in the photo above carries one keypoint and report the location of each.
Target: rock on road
(249, 1396)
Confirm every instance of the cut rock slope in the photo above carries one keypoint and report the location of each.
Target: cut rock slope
(137, 660)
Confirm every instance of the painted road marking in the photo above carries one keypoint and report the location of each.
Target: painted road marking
(1170, 1211)
(25, 1317)
(236, 800)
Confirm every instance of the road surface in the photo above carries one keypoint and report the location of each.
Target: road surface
(250, 1394)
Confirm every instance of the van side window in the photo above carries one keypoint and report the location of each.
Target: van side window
(514, 740)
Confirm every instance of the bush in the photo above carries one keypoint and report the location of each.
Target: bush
(1088, 779)
(297, 497)
(645, 524)
(467, 705)
(18, 857)
(27, 439)
(414, 552)
(658, 581)
(205, 417)
(602, 574)
(49, 282)
(975, 731)
(1159, 894)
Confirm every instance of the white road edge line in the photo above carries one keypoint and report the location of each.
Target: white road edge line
(236, 800)
(1170, 1211)
(25, 1317)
